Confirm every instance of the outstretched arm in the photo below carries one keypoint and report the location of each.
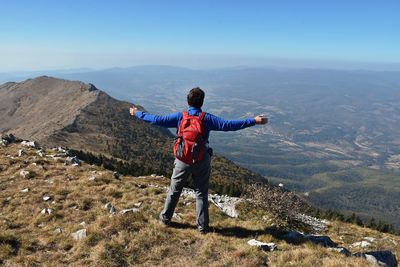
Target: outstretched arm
(219, 124)
(170, 120)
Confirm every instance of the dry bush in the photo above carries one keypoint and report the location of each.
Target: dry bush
(280, 203)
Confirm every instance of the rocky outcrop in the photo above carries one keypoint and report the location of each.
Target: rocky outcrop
(382, 258)
(262, 245)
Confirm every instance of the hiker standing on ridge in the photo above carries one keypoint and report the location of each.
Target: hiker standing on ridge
(191, 150)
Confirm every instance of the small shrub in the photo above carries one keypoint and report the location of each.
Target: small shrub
(9, 246)
(113, 254)
(116, 194)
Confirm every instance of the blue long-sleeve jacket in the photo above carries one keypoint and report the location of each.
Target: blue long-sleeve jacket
(213, 123)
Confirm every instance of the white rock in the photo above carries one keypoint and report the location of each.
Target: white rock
(280, 185)
(153, 175)
(24, 174)
(129, 210)
(8, 198)
(58, 231)
(137, 205)
(362, 244)
(92, 178)
(45, 198)
(111, 209)
(83, 224)
(4, 142)
(79, 235)
(226, 204)
(21, 153)
(40, 152)
(29, 144)
(371, 259)
(48, 211)
(26, 190)
(74, 161)
(262, 245)
(369, 239)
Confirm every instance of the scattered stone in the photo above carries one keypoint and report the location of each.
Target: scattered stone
(226, 204)
(280, 185)
(26, 190)
(24, 174)
(153, 175)
(74, 161)
(4, 142)
(381, 258)
(60, 149)
(83, 224)
(58, 231)
(46, 211)
(40, 152)
(362, 244)
(8, 139)
(111, 209)
(8, 199)
(129, 210)
(79, 235)
(21, 152)
(370, 239)
(137, 205)
(32, 144)
(92, 178)
(45, 198)
(341, 250)
(262, 245)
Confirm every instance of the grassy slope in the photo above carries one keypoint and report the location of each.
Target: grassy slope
(27, 237)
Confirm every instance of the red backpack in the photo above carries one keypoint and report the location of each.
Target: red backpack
(190, 143)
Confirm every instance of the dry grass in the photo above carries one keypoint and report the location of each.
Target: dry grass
(28, 238)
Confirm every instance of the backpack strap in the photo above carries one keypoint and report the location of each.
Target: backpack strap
(185, 114)
(201, 116)
(202, 121)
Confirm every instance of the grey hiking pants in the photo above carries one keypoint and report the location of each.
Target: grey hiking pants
(201, 174)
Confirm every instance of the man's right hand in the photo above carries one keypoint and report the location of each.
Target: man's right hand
(133, 110)
(260, 119)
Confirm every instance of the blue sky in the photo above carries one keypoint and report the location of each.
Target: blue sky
(45, 34)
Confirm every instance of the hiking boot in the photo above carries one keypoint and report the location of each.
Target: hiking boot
(164, 221)
(206, 230)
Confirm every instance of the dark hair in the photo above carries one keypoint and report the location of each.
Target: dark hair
(195, 98)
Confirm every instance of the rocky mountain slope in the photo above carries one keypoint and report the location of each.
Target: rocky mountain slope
(72, 114)
(57, 211)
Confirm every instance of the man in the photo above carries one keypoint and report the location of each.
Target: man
(198, 166)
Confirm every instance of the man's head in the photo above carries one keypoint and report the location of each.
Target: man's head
(195, 98)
